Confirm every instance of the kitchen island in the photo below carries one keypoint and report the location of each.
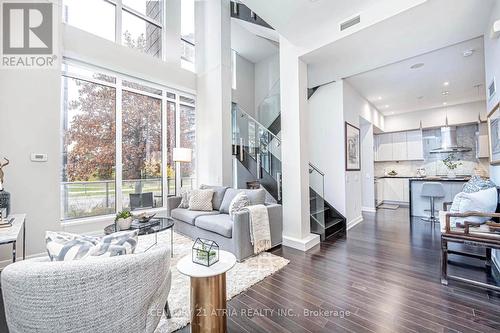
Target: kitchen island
(419, 205)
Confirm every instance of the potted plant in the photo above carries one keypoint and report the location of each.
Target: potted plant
(451, 164)
(123, 220)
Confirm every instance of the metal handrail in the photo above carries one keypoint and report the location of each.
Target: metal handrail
(256, 122)
(316, 169)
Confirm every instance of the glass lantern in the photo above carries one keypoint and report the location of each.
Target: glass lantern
(205, 252)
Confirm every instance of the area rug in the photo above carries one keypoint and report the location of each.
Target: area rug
(241, 277)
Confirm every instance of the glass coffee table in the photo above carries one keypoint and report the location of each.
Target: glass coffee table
(153, 226)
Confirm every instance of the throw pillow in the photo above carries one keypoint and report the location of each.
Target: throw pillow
(476, 184)
(256, 197)
(218, 194)
(484, 201)
(201, 200)
(239, 202)
(185, 194)
(63, 246)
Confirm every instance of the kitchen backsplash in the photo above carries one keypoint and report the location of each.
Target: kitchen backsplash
(466, 136)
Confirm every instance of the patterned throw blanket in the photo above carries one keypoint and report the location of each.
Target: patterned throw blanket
(260, 232)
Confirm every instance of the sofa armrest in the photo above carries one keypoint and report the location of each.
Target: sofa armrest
(448, 216)
(172, 202)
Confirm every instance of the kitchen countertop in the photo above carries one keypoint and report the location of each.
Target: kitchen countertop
(461, 178)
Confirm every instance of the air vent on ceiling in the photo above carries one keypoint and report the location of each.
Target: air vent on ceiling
(349, 23)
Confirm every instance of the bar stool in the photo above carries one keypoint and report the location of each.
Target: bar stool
(432, 190)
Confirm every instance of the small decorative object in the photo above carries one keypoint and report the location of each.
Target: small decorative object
(4, 195)
(392, 173)
(144, 217)
(123, 220)
(494, 135)
(451, 163)
(352, 148)
(205, 252)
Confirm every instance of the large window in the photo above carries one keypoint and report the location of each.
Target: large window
(118, 138)
(137, 24)
(187, 34)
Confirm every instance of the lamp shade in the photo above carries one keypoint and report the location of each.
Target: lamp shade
(182, 155)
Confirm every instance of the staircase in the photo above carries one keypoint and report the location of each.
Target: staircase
(257, 149)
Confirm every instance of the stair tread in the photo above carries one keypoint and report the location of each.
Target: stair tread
(332, 222)
(320, 210)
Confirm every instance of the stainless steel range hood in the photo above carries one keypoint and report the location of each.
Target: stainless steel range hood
(449, 141)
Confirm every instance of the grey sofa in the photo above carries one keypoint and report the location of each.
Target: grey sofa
(116, 294)
(231, 234)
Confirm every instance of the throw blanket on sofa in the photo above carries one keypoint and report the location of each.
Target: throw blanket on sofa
(260, 232)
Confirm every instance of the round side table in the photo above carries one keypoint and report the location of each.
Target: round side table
(208, 292)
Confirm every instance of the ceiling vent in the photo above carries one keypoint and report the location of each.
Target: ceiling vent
(349, 23)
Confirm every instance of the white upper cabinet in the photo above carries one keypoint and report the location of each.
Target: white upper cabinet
(384, 147)
(399, 146)
(399, 152)
(414, 145)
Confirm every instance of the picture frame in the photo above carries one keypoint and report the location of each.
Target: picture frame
(352, 148)
(493, 121)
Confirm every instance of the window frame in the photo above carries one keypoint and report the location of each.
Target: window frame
(119, 88)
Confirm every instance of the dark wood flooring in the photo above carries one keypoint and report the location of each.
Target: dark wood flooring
(383, 278)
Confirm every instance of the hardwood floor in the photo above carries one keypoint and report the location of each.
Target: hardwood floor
(383, 278)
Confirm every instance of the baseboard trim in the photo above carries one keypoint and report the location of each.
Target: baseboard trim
(301, 244)
(354, 222)
(5, 263)
(369, 209)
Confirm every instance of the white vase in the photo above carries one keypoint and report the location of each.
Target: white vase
(123, 224)
(452, 174)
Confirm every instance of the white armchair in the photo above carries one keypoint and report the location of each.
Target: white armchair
(117, 294)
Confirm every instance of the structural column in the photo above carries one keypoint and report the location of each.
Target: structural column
(213, 67)
(294, 150)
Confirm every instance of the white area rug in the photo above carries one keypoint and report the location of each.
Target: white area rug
(239, 278)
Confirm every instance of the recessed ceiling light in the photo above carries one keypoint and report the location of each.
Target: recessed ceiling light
(392, 112)
(386, 106)
(445, 93)
(468, 53)
(444, 103)
(380, 98)
(446, 83)
(415, 66)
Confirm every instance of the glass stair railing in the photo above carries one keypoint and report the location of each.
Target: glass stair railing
(258, 149)
(269, 109)
(316, 197)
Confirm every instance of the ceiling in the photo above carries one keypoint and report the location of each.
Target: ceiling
(397, 88)
(249, 44)
(430, 26)
(310, 23)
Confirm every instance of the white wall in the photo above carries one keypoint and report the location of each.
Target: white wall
(329, 107)
(244, 94)
(367, 167)
(457, 114)
(326, 148)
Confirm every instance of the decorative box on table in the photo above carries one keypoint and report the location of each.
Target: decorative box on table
(205, 252)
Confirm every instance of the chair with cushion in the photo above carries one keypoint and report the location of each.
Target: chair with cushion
(125, 293)
(230, 233)
(432, 190)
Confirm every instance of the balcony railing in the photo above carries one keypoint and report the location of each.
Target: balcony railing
(93, 198)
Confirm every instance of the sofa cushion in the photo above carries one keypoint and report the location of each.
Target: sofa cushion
(218, 194)
(188, 216)
(256, 197)
(221, 224)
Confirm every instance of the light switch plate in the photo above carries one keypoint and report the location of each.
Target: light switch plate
(39, 157)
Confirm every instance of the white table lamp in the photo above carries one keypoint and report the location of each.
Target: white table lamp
(182, 155)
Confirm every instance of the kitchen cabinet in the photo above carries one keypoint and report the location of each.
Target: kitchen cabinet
(396, 189)
(482, 146)
(399, 146)
(384, 147)
(399, 152)
(414, 145)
